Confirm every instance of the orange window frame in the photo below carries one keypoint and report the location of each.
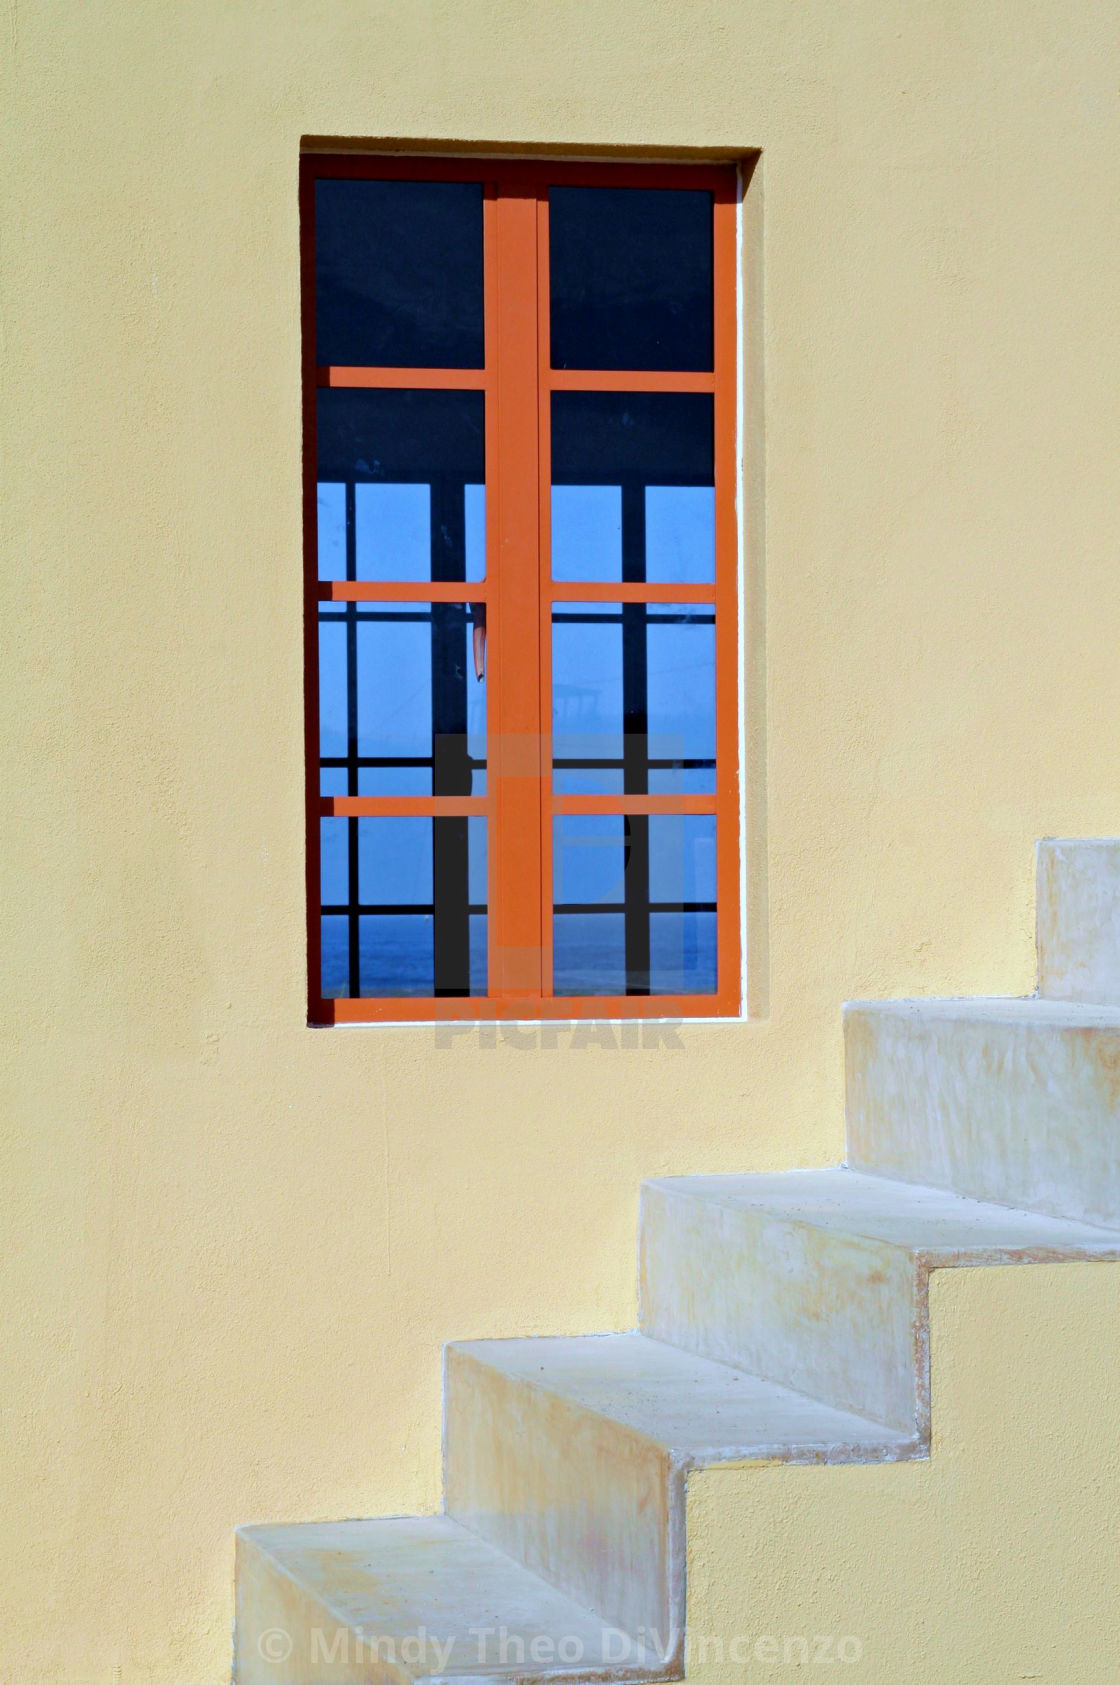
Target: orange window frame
(519, 592)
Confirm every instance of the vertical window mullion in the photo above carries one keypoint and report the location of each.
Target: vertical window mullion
(515, 947)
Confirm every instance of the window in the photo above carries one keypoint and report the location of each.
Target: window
(522, 640)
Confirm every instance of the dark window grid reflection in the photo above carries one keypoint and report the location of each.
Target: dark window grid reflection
(450, 908)
(452, 774)
(637, 907)
(447, 523)
(635, 760)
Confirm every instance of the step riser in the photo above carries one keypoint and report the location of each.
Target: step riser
(1023, 1114)
(833, 1316)
(592, 1506)
(1078, 921)
(285, 1636)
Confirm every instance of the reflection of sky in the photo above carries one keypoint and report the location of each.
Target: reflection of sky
(393, 540)
(680, 534)
(394, 695)
(587, 688)
(393, 531)
(394, 860)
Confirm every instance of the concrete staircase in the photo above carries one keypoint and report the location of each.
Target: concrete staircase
(784, 1318)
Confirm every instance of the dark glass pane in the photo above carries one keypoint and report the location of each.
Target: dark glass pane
(633, 440)
(401, 493)
(634, 905)
(404, 906)
(630, 278)
(398, 274)
(633, 698)
(402, 710)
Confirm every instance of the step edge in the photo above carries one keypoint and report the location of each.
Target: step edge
(671, 1187)
(644, 1668)
(681, 1461)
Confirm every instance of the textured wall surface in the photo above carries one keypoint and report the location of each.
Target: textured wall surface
(234, 1246)
(998, 1560)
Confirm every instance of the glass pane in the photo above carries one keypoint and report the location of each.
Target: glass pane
(587, 532)
(401, 485)
(398, 274)
(681, 535)
(402, 709)
(630, 277)
(634, 905)
(404, 906)
(633, 698)
(632, 487)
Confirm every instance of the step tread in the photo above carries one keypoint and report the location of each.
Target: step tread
(432, 1580)
(1029, 1011)
(932, 1222)
(699, 1411)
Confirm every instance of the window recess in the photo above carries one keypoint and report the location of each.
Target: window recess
(522, 639)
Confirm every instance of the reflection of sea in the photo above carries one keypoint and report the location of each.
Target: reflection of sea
(395, 954)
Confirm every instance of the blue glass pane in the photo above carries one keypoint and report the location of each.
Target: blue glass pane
(474, 536)
(589, 954)
(588, 858)
(335, 937)
(682, 857)
(681, 685)
(334, 861)
(395, 860)
(478, 962)
(392, 531)
(417, 925)
(633, 697)
(401, 706)
(682, 954)
(681, 535)
(396, 954)
(586, 691)
(398, 273)
(587, 532)
(332, 529)
(589, 940)
(634, 905)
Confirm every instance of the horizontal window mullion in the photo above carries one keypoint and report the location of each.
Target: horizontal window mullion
(449, 380)
(403, 591)
(561, 1009)
(621, 591)
(634, 804)
(402, 807)
(630, 380)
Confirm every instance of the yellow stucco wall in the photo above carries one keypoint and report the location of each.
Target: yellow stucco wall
(996, 1561)
(233, 1246)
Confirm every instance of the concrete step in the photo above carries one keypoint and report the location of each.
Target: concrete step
(819, 1279)
(407, 1599)
(1078, 920)
(571, 1456)
(1016, 1101)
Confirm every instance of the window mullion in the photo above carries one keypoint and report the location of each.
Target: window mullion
(513, 564)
